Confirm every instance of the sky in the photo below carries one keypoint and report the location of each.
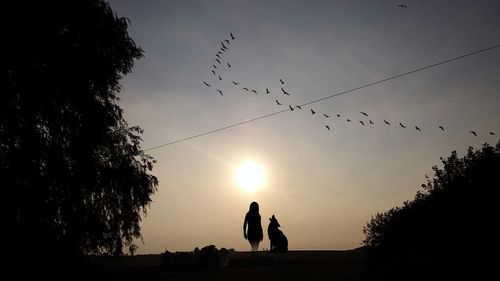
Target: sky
(322, 185)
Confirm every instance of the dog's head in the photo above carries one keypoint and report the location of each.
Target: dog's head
(273, 222)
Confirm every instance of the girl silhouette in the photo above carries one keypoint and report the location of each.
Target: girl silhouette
(252, 219)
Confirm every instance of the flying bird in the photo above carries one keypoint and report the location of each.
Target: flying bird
(348, 120)
(387, 122)
(328, 127)
(338, 115)
(213, 71)
(402, 126)
(281, 80)
(220, 92)
(245, 88)
(254, 91)
(228, 65)
(219, 52)
(235, 83)
(371, 122)
(206, 84)
(232, 36)
(491, 133)
(284, 92)
(364, 113)
(291, 108)
(217, 55)
(418, 129)
(298, 106)
(215, 66)
(220, 78)
(223, 46)
(474, 133)
(278, 103)
(267, 91)
(361, 122)
(312, 111)
(223, 50)
(326, 115)
(217, 60)
(227, 41)
(401, 6)
(441, 127)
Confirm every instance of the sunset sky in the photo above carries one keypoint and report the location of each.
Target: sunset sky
(322, 185)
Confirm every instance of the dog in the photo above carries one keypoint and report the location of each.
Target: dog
(279, 242)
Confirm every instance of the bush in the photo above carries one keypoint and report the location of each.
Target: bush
(446, 229)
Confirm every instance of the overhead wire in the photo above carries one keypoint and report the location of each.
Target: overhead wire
(331, 96)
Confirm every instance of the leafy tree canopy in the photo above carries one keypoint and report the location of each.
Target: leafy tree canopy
(74, 178)
(446, 227)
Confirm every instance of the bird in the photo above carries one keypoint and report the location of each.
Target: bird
(312, 111)
(282, 83)
(401, 6)
(223, 46)
(215, 66)
(328, 127)
(235, 83)
(387, 122)
(474, 133)
(206, 84)
(284, 92)
(254, 91)
(220, 92)
(298, 106)
(217, 55)
(219, 52)
(441, 127)
(326, 115)
(291, 108)
(491, 133)
(267, 91)
(348, 120)
(227, 41)
(228, 65)
(338, 115)
(245, 88)
(402, 126)
(418, 129)
(232, 36)
(278, 103)
(220, 78)
(364, 113)
(217, 60)
(371, 122)
(222, 49)
(362, 123)
(213, 71)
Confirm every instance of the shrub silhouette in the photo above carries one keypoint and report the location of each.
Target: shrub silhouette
(446, 230)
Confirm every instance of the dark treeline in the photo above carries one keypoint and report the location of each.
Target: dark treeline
(447, 230)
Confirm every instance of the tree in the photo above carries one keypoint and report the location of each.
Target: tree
(446, 228)
(74, 178)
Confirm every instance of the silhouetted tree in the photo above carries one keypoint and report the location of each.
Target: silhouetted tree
(447, 229)
(73, 177)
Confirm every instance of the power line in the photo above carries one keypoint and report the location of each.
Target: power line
(331, 96)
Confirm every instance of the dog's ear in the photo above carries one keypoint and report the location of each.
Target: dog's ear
(274, 217)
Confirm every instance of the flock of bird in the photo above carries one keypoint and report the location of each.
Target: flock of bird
(221, 64)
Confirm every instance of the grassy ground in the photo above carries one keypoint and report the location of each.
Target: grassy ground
(242, 266)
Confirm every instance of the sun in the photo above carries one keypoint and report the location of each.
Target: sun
(249, 176)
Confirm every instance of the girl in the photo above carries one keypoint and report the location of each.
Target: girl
(252, 219)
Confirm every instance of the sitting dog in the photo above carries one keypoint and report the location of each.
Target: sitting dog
(279, 242)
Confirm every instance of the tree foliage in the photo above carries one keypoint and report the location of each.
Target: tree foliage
(446, 227)
(74, 178)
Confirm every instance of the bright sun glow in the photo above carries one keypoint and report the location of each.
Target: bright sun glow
(250, 176)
